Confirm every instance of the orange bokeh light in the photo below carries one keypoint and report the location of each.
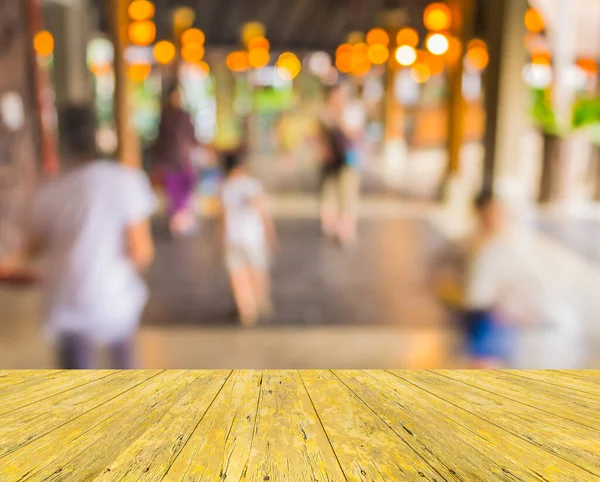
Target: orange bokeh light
(164, 52)
(259, 43)
(455, 50)
(420, 72)
(476, 43)
(193, 36)
(407, 36)
(360, 51)
(141, 10)
(478, 57)
(43, 43)
(378, 54)
(534, 21)
(258, 58)
(343, 62)
(344, 49)
(238, 61)
(436, 64)
(378, 36)
(360, 67)
(142, 32)
(540, 59)
(437, 17)
(288, 66)
(202, 67)
(139, 72)
(589, 65)
(99, 69)
(192, 53)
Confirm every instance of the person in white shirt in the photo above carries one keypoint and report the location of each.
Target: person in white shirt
(248, 235)
(91, 227)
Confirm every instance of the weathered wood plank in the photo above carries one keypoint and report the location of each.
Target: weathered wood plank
(558, 379)
(289, 442)
(367, 449)
(219, 448)
(487, 437)
(14, 377)
(465, 454)
(571, 441)
(149, 457)
(81, 448)
(591, 375)
(37, 389)
(565, 403)
(26, 424)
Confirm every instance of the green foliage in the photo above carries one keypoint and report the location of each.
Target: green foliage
(542, 113)
(586, 112)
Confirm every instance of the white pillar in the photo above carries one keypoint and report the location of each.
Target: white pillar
(563, 46)
(71, 24)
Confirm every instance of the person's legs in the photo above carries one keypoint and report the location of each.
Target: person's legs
(349, 192)
(242, 286)
(179, 186)
(122, 354)
(484, 343)
(329, 212)
(75, 352)
(261, 284)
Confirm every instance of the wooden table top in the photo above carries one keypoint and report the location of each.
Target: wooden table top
(299, 425)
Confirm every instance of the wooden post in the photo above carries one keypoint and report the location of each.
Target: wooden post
(505, 91)
(128, 142)
(43, 90)
(462, 22)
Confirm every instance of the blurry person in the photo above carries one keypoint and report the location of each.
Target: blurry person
(91, 227)
(249, 237)
(340, 182)
(173, 159)
(487, 281)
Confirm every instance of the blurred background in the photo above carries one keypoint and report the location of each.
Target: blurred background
(448, 97)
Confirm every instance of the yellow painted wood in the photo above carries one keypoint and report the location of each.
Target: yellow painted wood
(591, 375)
(429, 407)
(569, 404)
(151, 455)
(289, 443)
(220, 444)
(572, 441)
(560, 380)
(81, 448)
(8, 378)
(339, 425)
(464, 455)
(31, 422)
(38, 388)
(367, 449)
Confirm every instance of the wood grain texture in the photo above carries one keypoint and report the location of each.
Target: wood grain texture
(556, 435)
(340, 425)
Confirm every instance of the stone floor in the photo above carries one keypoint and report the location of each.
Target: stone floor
(383, 281)
(580, 235)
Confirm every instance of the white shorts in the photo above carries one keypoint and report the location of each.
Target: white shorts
(242, 257)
